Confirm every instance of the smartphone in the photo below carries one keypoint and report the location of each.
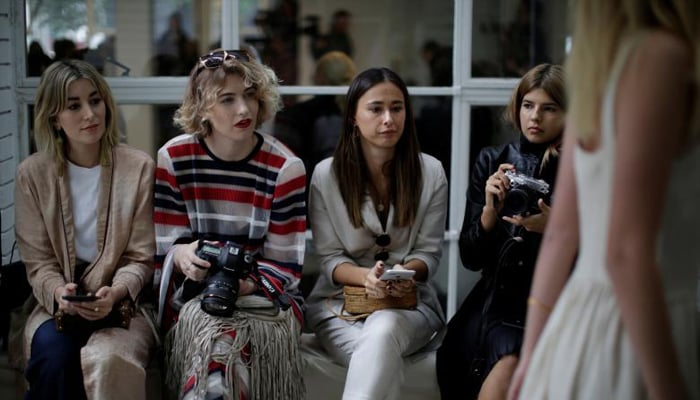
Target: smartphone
(80, 297)
(397, 274)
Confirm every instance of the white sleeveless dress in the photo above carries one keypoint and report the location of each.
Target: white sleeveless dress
(584, 351)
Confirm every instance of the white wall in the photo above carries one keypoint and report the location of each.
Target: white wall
(9, 128)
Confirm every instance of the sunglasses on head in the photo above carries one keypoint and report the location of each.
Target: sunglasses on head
(382, 241)
(215, 59)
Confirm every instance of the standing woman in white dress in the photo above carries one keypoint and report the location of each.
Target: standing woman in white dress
(624, 325)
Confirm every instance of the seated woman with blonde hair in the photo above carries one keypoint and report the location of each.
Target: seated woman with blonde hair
(83, 207)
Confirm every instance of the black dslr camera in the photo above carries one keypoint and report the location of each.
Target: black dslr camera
(523, 194)
(229, 263)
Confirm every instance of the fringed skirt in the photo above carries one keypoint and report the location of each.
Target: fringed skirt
(253, 355)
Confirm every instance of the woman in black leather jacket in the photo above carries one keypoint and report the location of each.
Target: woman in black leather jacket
(501, 234)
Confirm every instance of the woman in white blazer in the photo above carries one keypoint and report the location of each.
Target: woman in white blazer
(377, 204)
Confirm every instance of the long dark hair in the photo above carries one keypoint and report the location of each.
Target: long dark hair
(350, 166)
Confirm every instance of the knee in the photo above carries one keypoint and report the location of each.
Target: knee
(497, 381)
(505, 367)
(117, 364)
(385, 328)
(104, 357)
(54, 356)
(54, 348)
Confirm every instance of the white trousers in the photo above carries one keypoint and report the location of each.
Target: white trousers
(373, 350)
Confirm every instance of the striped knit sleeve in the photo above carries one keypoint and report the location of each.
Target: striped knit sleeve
(170, 213)
(283, 250)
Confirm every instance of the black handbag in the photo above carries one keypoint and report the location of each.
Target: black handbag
(477, 372)
(119, 317)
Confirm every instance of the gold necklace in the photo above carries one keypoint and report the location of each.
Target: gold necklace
(381, 203)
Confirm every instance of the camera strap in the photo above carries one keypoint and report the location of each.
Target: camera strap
(274, 293)
(271, 291)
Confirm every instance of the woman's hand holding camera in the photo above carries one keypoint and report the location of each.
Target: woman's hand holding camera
(495, 193)
(185, 259)
(374, 287)
(534, 222)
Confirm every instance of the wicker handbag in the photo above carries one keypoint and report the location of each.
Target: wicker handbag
(360, 305)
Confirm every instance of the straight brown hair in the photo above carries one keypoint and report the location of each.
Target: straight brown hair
(350, 166)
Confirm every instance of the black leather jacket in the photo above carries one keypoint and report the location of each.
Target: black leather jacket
(483, 251)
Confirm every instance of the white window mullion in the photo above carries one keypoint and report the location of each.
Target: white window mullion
(230, 29)
(459, 169)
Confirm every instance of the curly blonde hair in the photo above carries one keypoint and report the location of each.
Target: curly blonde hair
(205, 85)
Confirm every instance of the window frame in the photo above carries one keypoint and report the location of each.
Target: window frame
(465, 91)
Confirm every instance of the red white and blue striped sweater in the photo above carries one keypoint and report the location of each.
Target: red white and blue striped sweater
(258, 202)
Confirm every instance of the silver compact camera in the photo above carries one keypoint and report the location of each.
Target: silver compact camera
(523, 194)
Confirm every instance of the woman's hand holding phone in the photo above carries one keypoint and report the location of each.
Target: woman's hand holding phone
(399, 280)
(397, 274)
(374, 286)
(79, 298)
(89, 306)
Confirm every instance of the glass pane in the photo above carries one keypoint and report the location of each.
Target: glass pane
(291, 35)
(434, 127)
(311, 127)
(488, 128)
(138, 126)
(146, 126)
(511, 36)
(142, 128)
(164, 37)
(122, 38)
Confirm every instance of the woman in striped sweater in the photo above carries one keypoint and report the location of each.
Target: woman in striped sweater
(223, 181)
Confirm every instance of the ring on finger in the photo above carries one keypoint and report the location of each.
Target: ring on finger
(97, 309)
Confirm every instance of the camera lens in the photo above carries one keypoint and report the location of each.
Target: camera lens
(214, 306)
(517, 202)
(229, 263)
(219, 297)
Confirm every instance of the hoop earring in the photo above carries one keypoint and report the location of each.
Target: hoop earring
(60, 134)
(207, 127)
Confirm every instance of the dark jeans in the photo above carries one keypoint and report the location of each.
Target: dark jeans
(54, 370)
